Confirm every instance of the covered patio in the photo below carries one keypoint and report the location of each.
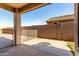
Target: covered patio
(18, 9)
(21, 8)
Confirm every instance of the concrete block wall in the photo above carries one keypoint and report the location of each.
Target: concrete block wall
(67, 30)
(0, 31)
(29, 33)
(61, 31)
(7, 30)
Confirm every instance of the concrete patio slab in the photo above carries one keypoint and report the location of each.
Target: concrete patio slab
(5, 40)
(51, 46)
(24, 50)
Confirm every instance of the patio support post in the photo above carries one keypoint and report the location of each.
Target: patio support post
(76, 25)
(17, 27)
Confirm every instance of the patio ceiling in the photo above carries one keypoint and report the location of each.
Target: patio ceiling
(18, 9)
(16, 5)
(22, 7)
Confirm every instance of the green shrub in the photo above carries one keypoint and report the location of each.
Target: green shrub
(71, 45)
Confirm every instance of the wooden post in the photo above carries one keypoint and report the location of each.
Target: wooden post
(17, 27)
(76, 27)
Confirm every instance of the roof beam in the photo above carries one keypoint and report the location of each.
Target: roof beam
(31, 6)
(4, 6)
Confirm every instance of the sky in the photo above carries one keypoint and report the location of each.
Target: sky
(38, 16)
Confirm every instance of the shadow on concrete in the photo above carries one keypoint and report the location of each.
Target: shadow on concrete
(23, 50)
(47, 47)
(40, 49)
(5, 42)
